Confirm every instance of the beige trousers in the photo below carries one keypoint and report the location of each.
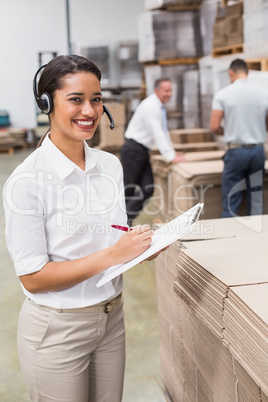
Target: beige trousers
(72, 357)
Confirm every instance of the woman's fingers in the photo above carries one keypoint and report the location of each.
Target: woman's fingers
(142, 234)
(134, 242)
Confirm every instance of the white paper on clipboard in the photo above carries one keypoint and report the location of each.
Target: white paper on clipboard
(162, 237)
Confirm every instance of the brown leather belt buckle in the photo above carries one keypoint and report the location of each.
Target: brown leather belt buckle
(109, 307)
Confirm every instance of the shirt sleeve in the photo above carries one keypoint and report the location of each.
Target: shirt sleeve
(25, 232)
(163, 142)
(217, 103)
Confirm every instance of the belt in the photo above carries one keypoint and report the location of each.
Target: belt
(233, 146)
(103, 307)
(138, 143)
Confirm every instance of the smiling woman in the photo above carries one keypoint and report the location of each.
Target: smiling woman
(59, 207)
(76, 114)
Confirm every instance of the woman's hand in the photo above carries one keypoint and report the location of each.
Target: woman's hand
(152, 257)
(132, 244)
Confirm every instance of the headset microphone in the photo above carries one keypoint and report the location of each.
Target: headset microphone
(105, 110)
(44, 102)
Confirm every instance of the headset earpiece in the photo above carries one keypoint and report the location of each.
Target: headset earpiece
(44, 102)
(105, 110)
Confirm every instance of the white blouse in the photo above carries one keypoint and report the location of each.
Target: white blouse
(56, 211)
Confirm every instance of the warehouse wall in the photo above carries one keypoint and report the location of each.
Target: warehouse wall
(31, 26)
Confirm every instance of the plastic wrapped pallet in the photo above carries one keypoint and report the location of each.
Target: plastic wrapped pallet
(191, 99)
(101, 56)
(208, 10)
(165, 35)
(255, 28)
(206, 89)
(130, 69)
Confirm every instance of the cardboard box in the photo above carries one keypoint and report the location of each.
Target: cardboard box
(235, 10)
(234, 27)
(110, 137)
(220, 33)
(194, 135)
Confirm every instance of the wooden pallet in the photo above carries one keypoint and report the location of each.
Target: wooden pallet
(10, 148)
(225, 50)
(7, 149)
(177, 7)
(258, 64)
(173, 62)
(224, 3)
(186, 7)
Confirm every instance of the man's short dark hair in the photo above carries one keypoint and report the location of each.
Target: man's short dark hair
(157, 82)
(239, 65)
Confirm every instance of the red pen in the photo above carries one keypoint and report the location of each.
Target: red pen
(124, 228)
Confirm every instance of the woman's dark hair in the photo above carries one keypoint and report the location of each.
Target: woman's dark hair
(53, 74)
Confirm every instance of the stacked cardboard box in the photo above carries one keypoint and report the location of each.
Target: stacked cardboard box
(220, 35)
(190, 135)
(6, 141)
(168, 198)
(165, 35)
(179, 187)
(228, 27)
(255, 28)
(234, 24)
(10, 138)
(186, 184)
(193, 182)
(169, 322)
(112, 140)
(168, 193)
(214, 325)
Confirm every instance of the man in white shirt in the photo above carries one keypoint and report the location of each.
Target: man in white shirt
(146, 130)
(244, 108)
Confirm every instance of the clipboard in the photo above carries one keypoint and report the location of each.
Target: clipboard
(162, 237)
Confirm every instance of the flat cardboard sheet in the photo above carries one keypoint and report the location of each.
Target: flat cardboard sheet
(237, 264)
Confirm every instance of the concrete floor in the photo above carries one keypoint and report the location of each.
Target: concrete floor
(142, 383)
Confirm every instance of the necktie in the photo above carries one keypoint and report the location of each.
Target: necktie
(164, 119)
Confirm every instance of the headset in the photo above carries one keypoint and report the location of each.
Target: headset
(45, 102)
(105, 110)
